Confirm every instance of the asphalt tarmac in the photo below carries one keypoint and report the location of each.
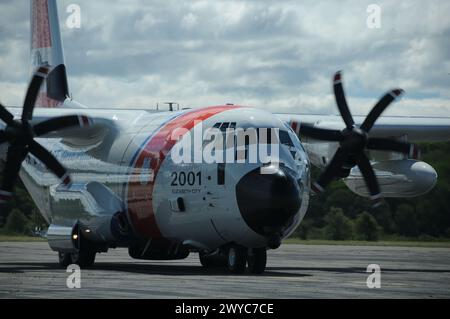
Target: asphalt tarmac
(30, 270)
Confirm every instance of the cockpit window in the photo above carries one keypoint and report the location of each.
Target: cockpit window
(268, 135)
(283, 136)
(285, 139)
(224, 126)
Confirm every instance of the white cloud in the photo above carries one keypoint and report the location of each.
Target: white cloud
(277, 55)
(189, 21)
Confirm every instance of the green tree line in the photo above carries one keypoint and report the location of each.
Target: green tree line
(20, 216)
(337, 214)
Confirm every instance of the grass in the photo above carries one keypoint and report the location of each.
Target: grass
(393, 243)
(20, 238)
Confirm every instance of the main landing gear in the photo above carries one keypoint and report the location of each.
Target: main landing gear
(236, 259)
(85, 253)
(82, 258)
(256, 260)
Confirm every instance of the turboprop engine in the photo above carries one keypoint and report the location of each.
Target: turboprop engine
(397, 178)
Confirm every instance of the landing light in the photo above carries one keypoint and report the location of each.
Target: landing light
(75, 236)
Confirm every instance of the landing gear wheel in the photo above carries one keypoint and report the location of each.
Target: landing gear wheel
(207, 261)
(204, 260)
(215, 259)
(237, 259)
(84, 257)
(64, 259)
(256, 260)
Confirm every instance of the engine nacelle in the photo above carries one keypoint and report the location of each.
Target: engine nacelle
(397, 178)
(60, 238)
(96, 210)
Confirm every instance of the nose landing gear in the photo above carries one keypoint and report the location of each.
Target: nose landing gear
(236, 259)
(256, 260)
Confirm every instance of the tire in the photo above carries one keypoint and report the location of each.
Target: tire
(206, 260)
(257, 260)
(237, 259)
(65, 259)
(214, 260)
(84, 257)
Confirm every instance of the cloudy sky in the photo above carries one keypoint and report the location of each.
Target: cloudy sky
(276, 55)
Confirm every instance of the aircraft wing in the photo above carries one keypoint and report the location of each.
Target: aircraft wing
(97, 125)
(415, 129)
(98, 128)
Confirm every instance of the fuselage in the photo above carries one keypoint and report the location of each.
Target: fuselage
(199, 202)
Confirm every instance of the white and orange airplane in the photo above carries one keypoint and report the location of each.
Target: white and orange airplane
(106, 178)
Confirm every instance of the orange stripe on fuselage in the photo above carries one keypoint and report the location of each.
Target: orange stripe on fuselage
(139, 196)
(41, 37)
(44, 101)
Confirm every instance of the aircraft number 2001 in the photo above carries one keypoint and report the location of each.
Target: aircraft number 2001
(186, 178)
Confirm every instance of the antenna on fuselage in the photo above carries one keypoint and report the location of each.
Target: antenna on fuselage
(171, 104)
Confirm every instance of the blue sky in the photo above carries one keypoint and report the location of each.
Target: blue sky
(276, 55)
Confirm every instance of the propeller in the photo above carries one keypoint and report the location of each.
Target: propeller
(20, 135)
(354, 141)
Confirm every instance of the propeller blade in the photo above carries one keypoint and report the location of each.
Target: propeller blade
(376, 111)
(50, 161)
(32, 93)
(62, 122)
(341, 101)
(321, 134)
(369, 177)
(14, 158)
(5, 116)
(3, 138)
(387, 144)
(331, 171)
(5, 196)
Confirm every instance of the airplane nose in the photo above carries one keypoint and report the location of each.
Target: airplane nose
(268, 202)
